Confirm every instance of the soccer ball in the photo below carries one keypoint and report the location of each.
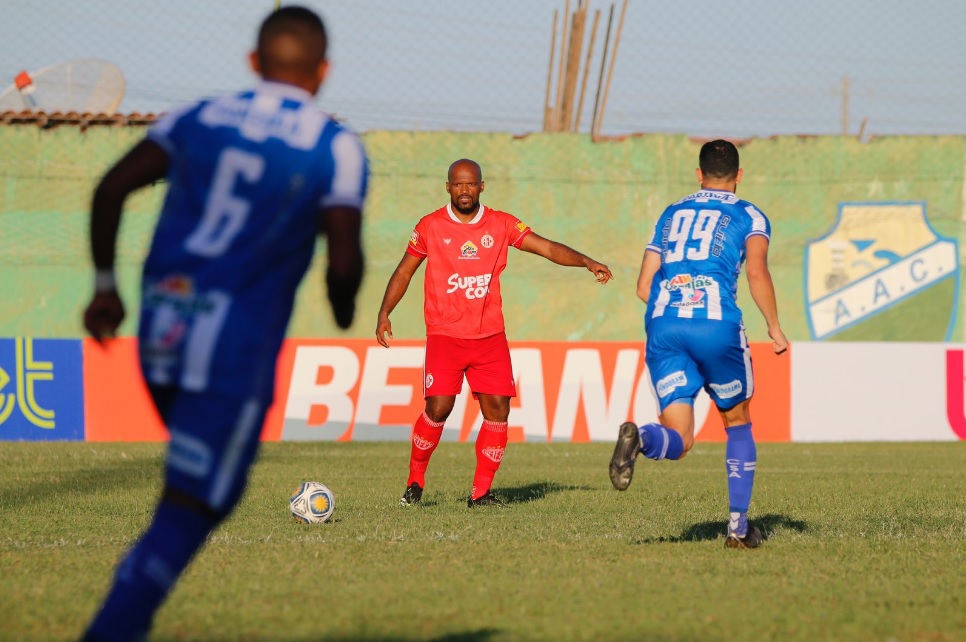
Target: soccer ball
(312, 503)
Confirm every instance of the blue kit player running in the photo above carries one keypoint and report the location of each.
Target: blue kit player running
(253, 178)
(695, 335)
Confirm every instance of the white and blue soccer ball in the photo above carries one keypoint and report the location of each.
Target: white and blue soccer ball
(312, 503)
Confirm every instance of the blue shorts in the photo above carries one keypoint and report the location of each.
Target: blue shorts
(214, 440)
(685, 355)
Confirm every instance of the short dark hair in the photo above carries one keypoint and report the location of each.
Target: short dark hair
(719, 159)
(298, 21)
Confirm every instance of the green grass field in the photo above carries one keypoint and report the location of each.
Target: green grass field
(864, 542)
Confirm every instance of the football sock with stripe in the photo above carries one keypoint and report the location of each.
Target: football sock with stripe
(490, 446)
(740, 459)
(426, 436)
(148, 573)
(660, 442)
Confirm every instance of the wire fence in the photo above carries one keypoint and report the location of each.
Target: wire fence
(742, 69)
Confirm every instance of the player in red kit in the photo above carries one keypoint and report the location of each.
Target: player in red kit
(465, 246)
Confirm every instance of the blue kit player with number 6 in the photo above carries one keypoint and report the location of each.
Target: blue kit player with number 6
(253, 179)
(695, 334)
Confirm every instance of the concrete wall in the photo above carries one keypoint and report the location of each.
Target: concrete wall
(601, 198)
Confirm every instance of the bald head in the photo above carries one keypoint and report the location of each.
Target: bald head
(291, 48)
(465, 165)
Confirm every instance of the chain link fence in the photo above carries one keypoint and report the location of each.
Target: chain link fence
(408, 72)
(743, 69)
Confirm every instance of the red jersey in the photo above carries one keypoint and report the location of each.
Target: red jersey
(463, 266)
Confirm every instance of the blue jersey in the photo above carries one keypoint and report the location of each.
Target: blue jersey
(701, 239)
(248, 177)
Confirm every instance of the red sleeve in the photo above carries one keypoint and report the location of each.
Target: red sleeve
(417, 242)
(518, 232)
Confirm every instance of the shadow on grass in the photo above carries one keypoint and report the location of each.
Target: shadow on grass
(481, 635)
(514, 494)
(98, 476)
(533, 492)
(705, 531)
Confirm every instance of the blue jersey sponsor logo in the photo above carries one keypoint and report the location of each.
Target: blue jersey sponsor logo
(670, 383)
(41, 389)
(726, 390)
(687, 282)
(690, 289)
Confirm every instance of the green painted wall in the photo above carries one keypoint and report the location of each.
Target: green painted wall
(600, 198)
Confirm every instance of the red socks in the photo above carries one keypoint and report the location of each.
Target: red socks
(426, 435)
(490, 446)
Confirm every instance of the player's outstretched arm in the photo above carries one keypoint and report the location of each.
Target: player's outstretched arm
(650, 264)
(563, 255)
(146, 163)
(343, 227)
(395, 289)
(763, 289)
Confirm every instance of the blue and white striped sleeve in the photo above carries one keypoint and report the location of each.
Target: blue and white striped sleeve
(162, 131)
(657, 242)
(760, 226)
(351, 174)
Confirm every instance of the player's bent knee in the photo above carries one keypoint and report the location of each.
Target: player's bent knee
(687, 443)
(736, 415)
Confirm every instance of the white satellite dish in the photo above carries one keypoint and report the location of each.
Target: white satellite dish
(83, 86)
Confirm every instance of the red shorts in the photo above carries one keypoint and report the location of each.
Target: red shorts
(485, 362)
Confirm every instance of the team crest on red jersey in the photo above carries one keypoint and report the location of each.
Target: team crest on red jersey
(486, 241)
(469, 251)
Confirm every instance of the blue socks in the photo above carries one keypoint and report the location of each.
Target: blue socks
(740, 459)
(660, 443)
(741, 456)
(148, 572)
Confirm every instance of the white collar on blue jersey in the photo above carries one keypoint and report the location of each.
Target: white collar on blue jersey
(283, 90)
(476, 219)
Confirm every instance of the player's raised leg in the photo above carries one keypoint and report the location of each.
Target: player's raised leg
(626, 450)
(675, 382)
(671, 439)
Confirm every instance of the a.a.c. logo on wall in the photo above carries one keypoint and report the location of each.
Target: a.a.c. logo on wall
(41, 389)
(882, 273)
